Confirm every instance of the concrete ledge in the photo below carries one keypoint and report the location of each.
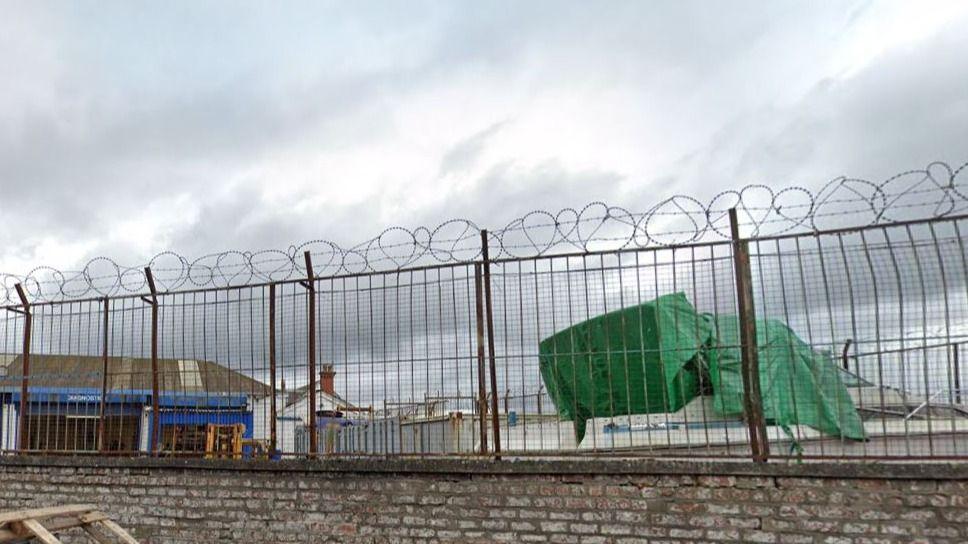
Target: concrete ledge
(523, 467)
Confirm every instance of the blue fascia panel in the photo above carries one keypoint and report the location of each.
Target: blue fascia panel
(205, 417)
(83, 395)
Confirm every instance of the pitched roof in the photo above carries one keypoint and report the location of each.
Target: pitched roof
(128, 373)
(294, 395)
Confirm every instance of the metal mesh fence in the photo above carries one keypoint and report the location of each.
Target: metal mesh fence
(853, 336)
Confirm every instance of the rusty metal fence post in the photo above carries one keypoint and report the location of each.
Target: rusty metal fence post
(481, 389)
(492, 364)
(22, 442)
(155, 389)
(101, 424)
(272, 369)
(310, 285)
(752, 400)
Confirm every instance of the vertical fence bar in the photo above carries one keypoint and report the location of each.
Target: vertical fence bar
(310, 285)
(102, 424)
(957, 369)
(25, 361)
(759, 442)
(492, 363)
(272, 369)
(481, 390)
(155, 389)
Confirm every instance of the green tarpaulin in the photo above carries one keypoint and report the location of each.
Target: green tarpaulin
(650, 359)
(797, 384)
(633, 361)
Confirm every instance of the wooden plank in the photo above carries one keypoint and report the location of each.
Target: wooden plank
(40, 532)
(96, 535)
(91, 517)
(24, 524)
(117, 530)
(6, 535)
(36, 513)
(15, 531)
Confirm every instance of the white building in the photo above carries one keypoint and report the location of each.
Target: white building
(293, 410)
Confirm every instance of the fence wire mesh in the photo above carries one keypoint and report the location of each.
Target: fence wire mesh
(854, 337)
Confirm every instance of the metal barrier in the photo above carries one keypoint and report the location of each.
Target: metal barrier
(836, 343)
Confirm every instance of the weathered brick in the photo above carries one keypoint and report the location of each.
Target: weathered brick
(583, 528)
(554, 526)
(759, 536)
(171, 504)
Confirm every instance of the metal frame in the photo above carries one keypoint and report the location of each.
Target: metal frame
(310, 285)
(102, 426)
(487, 352)
(752, 399)
(24, 390)
(152, 300)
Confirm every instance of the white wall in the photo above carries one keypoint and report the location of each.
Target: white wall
(296, 415)
(8, 427)
(260, 418)
(293, 416)
(145, 422)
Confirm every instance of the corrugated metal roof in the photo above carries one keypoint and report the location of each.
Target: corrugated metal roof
(126, 373)
(5, 360)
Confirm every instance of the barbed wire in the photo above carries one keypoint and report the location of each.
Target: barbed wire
(931, 192)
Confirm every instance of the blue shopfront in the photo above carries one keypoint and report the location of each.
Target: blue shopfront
(70, 419)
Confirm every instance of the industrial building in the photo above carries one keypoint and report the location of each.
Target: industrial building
(65, 411)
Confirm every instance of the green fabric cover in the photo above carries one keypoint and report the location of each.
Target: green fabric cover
(632, 361)
(648, 359)
(797, 384)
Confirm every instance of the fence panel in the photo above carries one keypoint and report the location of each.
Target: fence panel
(574, 381)
(620, 350)
(888, 305)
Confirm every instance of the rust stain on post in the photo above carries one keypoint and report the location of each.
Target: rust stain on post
(272, 368)
(481, 389)
(492, 365)
(311, 286)
(101, 426)
(752, 401)
(155, 389)
(25, 361)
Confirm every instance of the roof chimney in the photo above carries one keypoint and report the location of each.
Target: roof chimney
(327, 379)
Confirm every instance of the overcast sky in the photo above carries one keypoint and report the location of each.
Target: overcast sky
(131, 128)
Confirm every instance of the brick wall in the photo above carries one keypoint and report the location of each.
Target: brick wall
(597, 501)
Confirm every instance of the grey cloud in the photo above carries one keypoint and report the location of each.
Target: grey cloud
(467, 152)
(164, 123)
(906, 108)
(185, 112)
(508, 190)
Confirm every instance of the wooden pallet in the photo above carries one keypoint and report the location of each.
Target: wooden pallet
(42, 523)
(224, 441)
